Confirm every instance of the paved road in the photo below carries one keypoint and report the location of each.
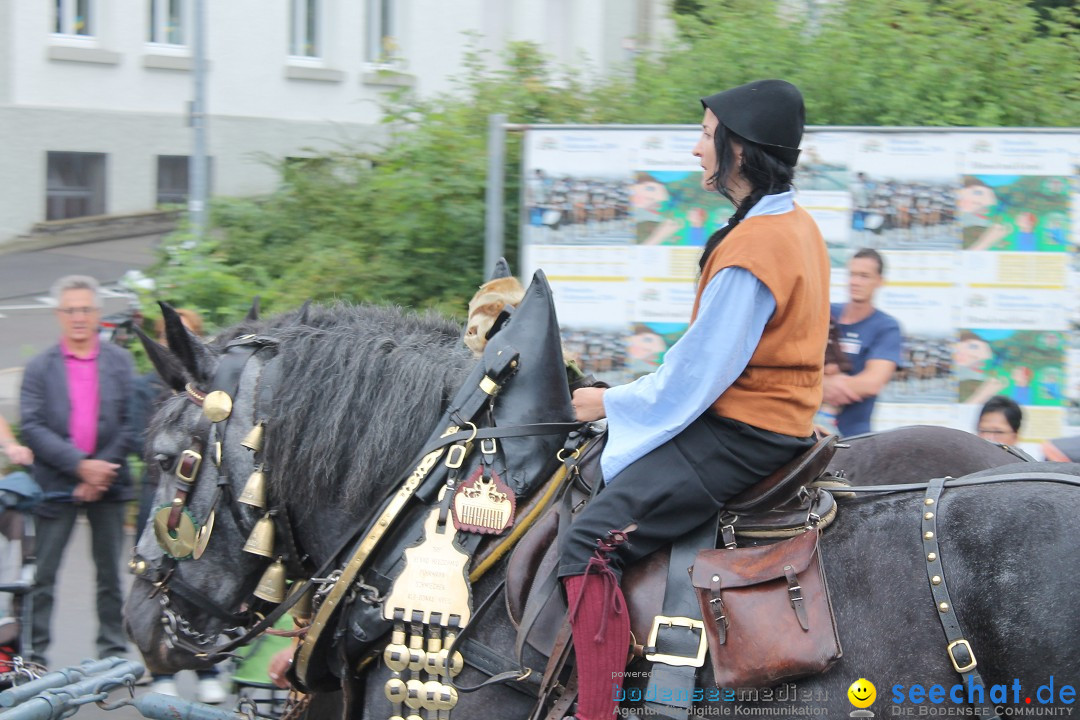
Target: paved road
(27, 325)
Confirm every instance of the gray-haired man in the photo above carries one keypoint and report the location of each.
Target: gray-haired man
(74, 404)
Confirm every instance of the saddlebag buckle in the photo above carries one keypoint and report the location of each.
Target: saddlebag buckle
(966, 647)
(663, 621)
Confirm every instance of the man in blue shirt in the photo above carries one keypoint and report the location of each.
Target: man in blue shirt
(871, 340)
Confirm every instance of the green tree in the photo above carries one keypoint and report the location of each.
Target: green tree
(878, 62)
(404, 222)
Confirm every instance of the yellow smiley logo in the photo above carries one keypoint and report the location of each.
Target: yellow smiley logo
(862, 693)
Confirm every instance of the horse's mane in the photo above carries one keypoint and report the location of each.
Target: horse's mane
(360, 391)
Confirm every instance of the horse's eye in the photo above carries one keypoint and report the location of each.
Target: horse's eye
(165, 462)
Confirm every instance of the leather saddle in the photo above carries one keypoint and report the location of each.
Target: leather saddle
(782, 504)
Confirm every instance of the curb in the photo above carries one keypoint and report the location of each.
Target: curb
(92, 229)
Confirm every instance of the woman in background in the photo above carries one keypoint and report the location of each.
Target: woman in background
(1000, 420)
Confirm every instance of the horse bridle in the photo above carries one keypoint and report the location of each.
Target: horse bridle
(181, 537)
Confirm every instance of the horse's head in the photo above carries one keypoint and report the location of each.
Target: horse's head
(348, 395)
(178, 604)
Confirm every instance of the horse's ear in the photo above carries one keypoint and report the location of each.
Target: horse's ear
(253, 311)
(302, 316)
(165, 363)
(501, 270)
(186, 346)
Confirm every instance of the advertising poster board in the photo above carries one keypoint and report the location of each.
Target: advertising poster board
(980, 231)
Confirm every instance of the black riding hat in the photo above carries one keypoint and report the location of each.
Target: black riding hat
(768, 112)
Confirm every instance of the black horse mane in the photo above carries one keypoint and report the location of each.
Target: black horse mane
(360, 390)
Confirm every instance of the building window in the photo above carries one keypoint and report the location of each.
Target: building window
(381, 47)
(75, 185)
(174, 178)
(74, 17)
(305, 38)
(168, 22)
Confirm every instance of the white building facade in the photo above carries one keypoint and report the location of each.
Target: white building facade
(94, 94)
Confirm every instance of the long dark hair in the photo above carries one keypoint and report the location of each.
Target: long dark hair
(766, 174)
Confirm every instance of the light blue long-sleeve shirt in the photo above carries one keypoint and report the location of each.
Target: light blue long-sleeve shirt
(706, 360)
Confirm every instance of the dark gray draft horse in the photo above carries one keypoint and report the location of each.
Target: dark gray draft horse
(916, 453)
(361, 391)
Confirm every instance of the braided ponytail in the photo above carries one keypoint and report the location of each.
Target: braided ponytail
(717, 237)
(766, 174)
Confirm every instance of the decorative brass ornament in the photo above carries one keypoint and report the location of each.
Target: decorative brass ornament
(271, 587)
(928, 516)
(931, 557)
(217, 406)
(943, 607)
(414, 694)
(928, 535)
(261, 539)
(137, 565)
(395, 689)
(254, 492)
(434, 579)
(396, 657)
(455, 665)
(179, 544)
(928, 501)
(936, 580)
(253, 441)
(202, 538)
(484, 505)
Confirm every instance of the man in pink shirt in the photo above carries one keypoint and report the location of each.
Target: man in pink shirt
(74, 405)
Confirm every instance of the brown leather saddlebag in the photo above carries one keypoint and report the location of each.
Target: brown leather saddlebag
(768, 618)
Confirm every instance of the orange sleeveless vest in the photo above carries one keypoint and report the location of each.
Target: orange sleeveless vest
(781, 387)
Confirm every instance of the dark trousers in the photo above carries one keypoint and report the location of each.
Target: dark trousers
(107, 546)
(674, 489)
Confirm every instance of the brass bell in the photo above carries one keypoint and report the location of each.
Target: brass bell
(254, 439)
(261, 540)
(302, 609)
(254, 492)
(271, 587)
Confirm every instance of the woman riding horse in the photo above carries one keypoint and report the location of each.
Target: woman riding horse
(735, 397)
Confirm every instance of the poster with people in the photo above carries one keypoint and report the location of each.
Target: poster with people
(979, 229)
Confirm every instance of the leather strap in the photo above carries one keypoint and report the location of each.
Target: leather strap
(676, 683)
(1029, 476)
(501, 431)
(549, 683)
(796, 597)
(959, 649)
(423, 479)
